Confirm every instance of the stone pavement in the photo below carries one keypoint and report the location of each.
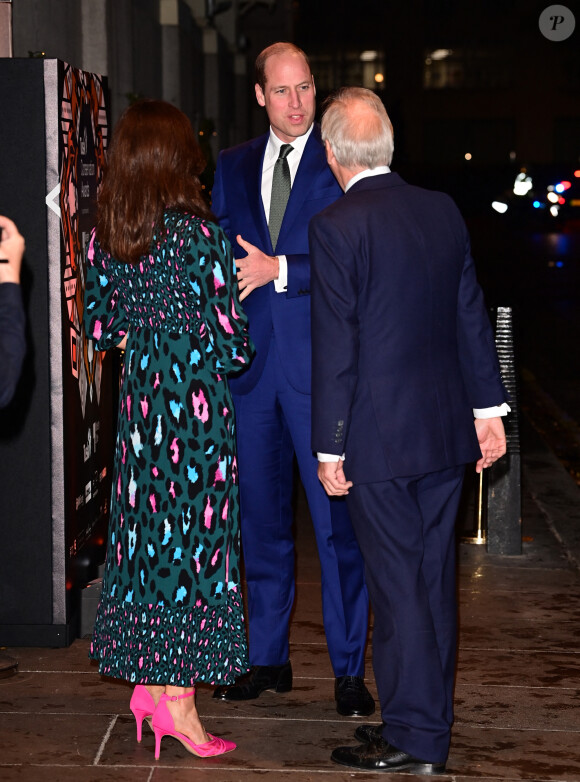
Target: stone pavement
(517, 694)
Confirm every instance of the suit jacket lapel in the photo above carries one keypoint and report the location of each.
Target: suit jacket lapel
(312, 164)
(253, 179)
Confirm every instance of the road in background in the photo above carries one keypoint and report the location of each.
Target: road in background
(537, 273)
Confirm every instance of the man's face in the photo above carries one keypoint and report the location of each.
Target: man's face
(289, 96)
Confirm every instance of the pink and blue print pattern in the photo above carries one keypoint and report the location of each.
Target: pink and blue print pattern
(171, 608)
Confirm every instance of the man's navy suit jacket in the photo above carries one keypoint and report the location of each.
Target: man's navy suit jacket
(237, 203)
(403, 349)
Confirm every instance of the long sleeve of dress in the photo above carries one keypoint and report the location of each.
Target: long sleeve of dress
(222, 313)
(105, 320)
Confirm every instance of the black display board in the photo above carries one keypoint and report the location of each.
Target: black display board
(56, 437)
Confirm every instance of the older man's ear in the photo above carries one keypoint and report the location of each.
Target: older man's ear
(341, 174)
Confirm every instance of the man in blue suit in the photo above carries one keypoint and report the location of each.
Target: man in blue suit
(272, 398)
(406, 385)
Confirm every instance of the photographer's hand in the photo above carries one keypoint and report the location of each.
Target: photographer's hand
(11, 251)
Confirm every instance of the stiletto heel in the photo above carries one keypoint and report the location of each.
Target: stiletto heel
(163, 725)
(142, 705)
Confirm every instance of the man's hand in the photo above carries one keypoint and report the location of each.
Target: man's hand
(491, 436)
(11, 251)
(255, 270)
(331, 476)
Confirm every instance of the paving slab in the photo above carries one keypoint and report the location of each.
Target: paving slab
(517, 690)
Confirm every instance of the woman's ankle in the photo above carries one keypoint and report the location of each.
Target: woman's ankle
(180, 694)
(184, 713)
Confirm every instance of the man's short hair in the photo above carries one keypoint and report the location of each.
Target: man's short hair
(357, 126)
(282, 47)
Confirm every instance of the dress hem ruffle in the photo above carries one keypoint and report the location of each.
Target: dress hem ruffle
(152, 644)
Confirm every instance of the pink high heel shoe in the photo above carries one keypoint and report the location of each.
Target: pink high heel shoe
(142, 705)
(163, 725)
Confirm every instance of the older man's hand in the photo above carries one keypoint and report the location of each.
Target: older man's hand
(491, 436)
(331, 476)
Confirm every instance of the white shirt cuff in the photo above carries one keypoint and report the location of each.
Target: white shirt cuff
(282, 282)
(492, 412)
(329, 457)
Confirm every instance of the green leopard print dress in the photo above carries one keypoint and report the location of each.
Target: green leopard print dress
(171, 607)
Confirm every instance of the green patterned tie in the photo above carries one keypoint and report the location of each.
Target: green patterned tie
(280, 192)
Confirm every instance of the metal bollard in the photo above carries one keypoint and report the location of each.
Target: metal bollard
(502, 493)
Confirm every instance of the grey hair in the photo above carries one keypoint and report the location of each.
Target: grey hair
(358, 128)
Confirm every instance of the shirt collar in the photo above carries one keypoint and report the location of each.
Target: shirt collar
(274, 143)
(367, 172)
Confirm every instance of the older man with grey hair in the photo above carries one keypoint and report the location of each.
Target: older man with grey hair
(406, 392)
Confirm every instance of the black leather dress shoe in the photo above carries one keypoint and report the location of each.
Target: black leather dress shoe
(260, 678)
(352, 697)
(379, 755)
(368, 733)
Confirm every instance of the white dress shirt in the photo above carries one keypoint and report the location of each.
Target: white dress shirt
(270, 157)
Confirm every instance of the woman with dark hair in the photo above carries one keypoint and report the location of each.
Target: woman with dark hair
(161, 283)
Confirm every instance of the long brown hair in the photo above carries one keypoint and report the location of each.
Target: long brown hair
(153, 164)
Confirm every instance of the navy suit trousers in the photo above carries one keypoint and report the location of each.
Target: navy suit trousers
(406, 532)
(273, 423)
